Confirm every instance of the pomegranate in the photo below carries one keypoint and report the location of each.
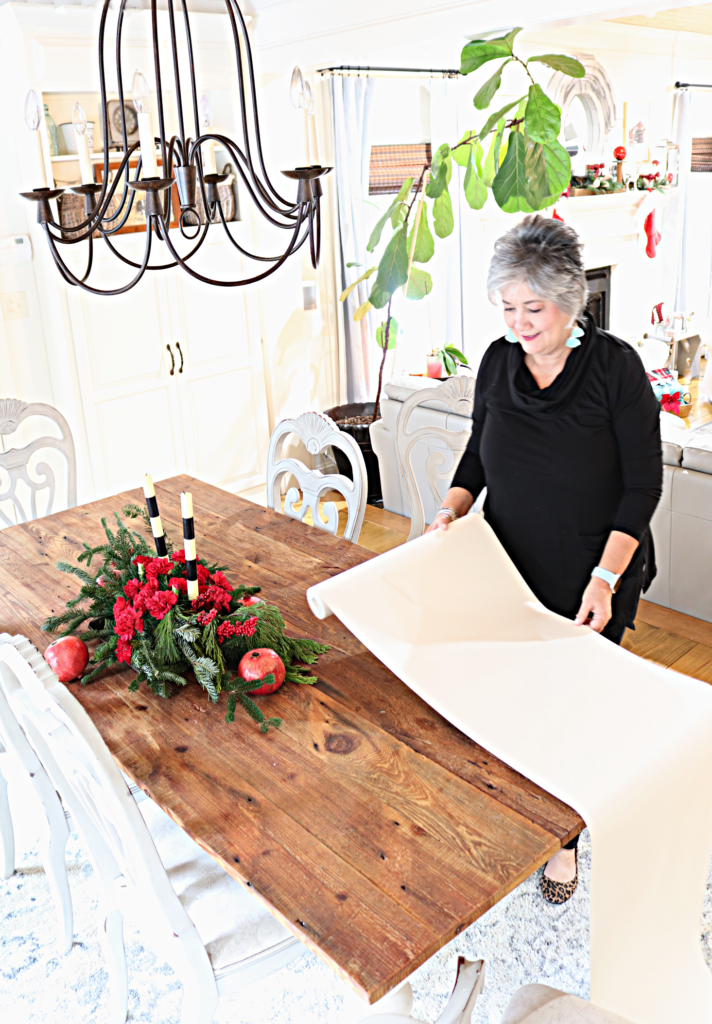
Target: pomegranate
(258, 663)
(67, 657)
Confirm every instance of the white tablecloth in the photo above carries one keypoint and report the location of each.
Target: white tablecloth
(625, 742)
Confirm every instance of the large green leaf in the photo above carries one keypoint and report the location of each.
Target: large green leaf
(443, 220)
(398, 215)
(364, 277)
(405, 190)
(461, 152)
(510, 36)
(494, 118)
(424, 241)
(378, 298)
(392, 333)
(541, 116)
(490, 168)
(479, 51)
(558, 168)
(440, 171)
(559, 62)
(479, 153)
(376, 233)
(392, 270)
(485, 94)
(474, 188)
(521, 184)
(420, 283)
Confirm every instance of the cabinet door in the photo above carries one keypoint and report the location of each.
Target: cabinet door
(131, 401)
(221, 381)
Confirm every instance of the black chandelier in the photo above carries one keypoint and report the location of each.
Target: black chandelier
(187, 162)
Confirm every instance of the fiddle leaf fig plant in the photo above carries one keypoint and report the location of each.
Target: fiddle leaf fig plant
(515, 155)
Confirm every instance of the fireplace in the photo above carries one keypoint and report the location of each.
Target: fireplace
(599, 296)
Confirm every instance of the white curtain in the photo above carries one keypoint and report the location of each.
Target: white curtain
(676, 211)
(351, 99)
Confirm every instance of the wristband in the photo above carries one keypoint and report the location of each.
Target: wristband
(608, 577)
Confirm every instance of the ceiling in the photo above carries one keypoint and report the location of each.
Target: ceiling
(683, 19)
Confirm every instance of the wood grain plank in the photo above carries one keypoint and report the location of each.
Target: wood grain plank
(675, 622)
(697, 662)
(656, 644)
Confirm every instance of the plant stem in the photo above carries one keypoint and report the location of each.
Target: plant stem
(383, 359)
(514, 57)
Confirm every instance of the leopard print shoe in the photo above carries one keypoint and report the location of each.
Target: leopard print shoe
(559, 892)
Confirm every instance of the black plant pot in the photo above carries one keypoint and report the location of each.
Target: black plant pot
(360, 433)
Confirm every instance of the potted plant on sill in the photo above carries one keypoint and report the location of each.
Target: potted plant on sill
(526, 169)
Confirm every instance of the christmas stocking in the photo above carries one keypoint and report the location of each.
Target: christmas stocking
(654, 237)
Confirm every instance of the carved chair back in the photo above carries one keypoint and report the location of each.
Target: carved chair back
(18, 465)
(457, 394)
(317, 432)
(85, 774)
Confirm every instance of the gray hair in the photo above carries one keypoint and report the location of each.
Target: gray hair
(547, 254)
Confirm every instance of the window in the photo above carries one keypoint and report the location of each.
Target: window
(391, 165)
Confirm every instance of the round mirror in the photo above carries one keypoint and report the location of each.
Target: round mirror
(577, 128)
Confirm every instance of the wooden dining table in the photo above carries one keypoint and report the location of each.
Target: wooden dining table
(371, 827)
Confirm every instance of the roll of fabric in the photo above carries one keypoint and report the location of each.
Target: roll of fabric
(191, 561)
(159, 537)
(626, 742)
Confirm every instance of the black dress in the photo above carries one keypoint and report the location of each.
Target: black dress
(565, 465)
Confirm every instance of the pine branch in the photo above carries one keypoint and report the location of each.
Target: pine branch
(294, 675)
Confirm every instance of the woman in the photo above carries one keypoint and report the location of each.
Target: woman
(566, 438)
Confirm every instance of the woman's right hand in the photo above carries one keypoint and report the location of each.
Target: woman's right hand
(441, 522)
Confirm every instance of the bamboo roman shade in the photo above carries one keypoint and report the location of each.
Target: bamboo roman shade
(391, 165)
(701, 154)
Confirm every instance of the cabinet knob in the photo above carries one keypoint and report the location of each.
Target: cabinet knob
(173, 362)
(180, 368)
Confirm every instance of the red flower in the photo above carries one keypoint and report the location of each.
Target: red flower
(203, 575)
(132, 588)
(158, 567)
(128, 620)
(221, 580)
(178, 556)
(123, 651)
(160, 603)
(177, 583)
(205, 618)
(142, 559)
(145, 593)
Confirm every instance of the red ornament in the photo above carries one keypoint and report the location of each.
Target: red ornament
(252, 599)
(620, 153)
(259, 663)
(67, 657)
(654, 237)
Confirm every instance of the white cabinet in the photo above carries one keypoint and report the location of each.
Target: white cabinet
(171, 377)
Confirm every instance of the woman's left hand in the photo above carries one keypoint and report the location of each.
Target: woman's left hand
(596, 602)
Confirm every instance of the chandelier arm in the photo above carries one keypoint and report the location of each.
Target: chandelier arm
(312, 249)
(235, 284)
(253, 93)
(90, 259)
(119, 81)
(162, 266)
(159, 83)
(191, 67)
(72, 279)
(176, 73)
(250, 255)
(239, 156)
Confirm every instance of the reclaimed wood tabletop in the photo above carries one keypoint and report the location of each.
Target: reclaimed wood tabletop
(370, 826)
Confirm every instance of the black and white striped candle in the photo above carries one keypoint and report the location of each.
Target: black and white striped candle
(159, 536)
(191, 561)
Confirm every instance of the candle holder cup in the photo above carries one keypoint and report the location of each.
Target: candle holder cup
(309, 187)
(152, 187)
(89, 192)
(42, 197)
(212, 181)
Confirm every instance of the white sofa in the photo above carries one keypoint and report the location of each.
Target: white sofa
(681, 526)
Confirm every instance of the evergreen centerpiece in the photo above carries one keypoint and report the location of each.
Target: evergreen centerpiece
(137, 609)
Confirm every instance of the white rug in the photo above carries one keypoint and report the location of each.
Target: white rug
(522, 939)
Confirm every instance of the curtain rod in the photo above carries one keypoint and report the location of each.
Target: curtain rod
(348, 69)
(691, 85)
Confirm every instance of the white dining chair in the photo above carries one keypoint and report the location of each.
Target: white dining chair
(215, 934)
(22, 476)
(469, 982)
(318, 432)
(540, 1004)
(457, 396)
(51, 816)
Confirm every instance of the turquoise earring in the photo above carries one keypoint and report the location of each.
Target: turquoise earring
(573, 340)
(511, 336)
